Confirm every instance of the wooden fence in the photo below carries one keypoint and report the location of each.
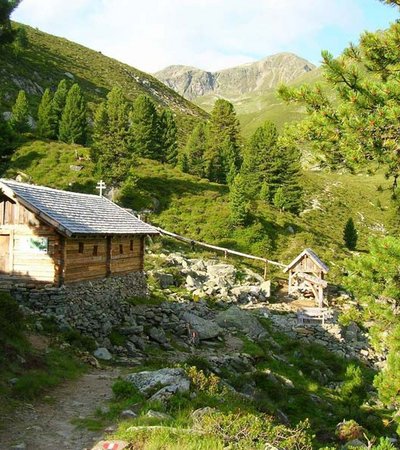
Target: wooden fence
(226, 251)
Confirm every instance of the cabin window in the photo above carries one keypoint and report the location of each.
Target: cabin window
(121, 249)
(81, 247)
(131, 245)
(95, 250)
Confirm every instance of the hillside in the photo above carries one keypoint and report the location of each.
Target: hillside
(197, 208)
(254, 108)
(48, 59)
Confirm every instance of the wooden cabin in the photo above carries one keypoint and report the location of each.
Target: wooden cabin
(306, 276)
(48, 236)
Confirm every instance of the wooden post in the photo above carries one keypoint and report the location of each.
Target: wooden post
(108, 255)
(265, 270)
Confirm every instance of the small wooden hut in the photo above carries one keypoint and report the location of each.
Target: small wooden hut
(306, 276)
(56, 237)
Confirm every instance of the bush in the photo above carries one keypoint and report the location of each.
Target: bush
(124, 389)
(11, 318)
(349, 430)
(78, 340)
(247, 430)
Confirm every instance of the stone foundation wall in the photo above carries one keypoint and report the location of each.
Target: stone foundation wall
(92, 307)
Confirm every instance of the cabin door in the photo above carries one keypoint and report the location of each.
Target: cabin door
(4, 253)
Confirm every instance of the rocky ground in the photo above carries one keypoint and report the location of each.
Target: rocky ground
(211, 312)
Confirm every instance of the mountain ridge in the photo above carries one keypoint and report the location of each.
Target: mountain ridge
(231, 83)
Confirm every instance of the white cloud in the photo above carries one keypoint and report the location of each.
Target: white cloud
(212, 34)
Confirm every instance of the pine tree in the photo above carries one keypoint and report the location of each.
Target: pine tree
(20, 114)
(112, 147)
(7, 138)
(145, 129)
(258, 157)
(168, 138)
(45, 123)
(350, 235)
(195, 150)
(272, 162)
(238, 202)
(352, 123)
(279, 199)
(373, 278)
(73, 122)
(7, 33)
(223, 147)
(59, 99)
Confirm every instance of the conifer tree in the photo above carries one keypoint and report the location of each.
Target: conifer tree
(7, 33)
(258, 157)
(112, 147)
(195, 150)
(20, 114)
(352, 123)
(238, 202)
(7, 138)
(373, 278)
(144, 128)
(45, 123)
(168, 138)
(223, 149)
(59, 99)
(279, 199)
(350, 235)
(73, 122)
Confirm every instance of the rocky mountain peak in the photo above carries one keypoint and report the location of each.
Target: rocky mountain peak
(231, 83)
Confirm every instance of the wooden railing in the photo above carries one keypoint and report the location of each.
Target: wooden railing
(224, 250)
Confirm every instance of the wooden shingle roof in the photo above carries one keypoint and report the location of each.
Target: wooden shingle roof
(312, 255)
(74, 213)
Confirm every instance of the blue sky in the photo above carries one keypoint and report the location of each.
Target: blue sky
(210, 34)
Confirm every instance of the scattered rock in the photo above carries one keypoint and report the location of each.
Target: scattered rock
(171, 377)
(128, 414)
(206, 329)
(158, 335)
(234, 317)
(102, 353)
(164, 279)
(158, 415)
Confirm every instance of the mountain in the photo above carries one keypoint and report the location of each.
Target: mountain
(232, 83)
(47, 59)
(250, 87)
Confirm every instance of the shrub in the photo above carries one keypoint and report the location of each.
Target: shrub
(80, 341)
(248, 430)
(11, 318)
(348, 430)
(124, 389)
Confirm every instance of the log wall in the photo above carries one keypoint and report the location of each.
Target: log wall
(24, 261)
(83, 261)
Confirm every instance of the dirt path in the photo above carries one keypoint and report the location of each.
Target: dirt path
(47, 426)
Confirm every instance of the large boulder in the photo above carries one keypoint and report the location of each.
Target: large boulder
(206, 329)
(234, 317)
(174, 378)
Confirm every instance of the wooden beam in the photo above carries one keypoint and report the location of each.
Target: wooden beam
(63, 261)
(219, 249)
